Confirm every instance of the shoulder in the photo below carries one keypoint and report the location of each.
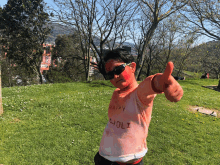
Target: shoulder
(115, 93)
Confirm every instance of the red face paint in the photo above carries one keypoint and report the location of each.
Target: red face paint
(126, 75)
(125, 79)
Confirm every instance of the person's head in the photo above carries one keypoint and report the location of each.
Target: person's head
(119, 67)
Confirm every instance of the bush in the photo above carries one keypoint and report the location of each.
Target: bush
(56, 76)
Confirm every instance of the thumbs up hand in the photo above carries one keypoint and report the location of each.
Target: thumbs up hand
(167, 84)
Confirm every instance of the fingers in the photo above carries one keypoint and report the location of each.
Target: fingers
(172, 89)
(174, 93)
(167, 73)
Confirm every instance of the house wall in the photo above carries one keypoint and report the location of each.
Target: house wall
(46, 57)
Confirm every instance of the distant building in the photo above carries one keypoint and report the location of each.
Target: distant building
(46, 57)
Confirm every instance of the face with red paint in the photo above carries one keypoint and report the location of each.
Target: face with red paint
(126, 79)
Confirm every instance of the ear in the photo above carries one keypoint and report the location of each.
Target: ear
(133, 67)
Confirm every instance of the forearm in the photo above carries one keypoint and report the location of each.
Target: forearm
(145, 91)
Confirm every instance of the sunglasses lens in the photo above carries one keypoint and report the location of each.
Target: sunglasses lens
(119, 69)
(109, 76)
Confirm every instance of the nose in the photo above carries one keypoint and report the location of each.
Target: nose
(116, 76)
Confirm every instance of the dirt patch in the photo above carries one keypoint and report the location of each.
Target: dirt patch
(15, 120)
(206, 111)
(213, 87)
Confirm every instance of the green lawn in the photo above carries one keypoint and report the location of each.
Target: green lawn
(63, 124)
(192, 75)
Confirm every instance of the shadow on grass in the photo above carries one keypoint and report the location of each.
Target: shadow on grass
(99, 84)
(213, 87)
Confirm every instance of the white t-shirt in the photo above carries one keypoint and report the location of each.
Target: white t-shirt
(124, 137)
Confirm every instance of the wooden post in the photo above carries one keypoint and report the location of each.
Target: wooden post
(1, 107)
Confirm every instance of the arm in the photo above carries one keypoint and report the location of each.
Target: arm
(161, 82)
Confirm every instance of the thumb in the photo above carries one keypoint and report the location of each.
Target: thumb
(167, 73)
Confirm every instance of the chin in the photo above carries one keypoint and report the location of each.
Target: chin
(121, 85)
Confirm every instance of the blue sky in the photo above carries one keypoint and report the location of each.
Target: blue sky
(3, 2)
(51, 4)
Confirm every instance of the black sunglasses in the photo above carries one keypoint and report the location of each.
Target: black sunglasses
(117, 70)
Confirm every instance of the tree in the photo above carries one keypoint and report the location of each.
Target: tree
(100, 23)
(151, 13)
(68, 49)
(159, 43)
(1, 106)
(24, 30)
(183, 52)
(203, 17)
(209, 54)
(166, 36)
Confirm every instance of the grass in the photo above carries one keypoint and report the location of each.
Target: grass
(63, 124)
(192, 75)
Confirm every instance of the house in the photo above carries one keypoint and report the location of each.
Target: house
(46, 57)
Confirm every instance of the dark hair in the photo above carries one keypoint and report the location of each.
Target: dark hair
(116, 54)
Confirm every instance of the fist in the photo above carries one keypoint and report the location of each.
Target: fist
(166, 83)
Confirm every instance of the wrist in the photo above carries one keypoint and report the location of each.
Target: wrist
(155, 83)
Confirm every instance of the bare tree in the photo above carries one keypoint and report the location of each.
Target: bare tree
(101, 23)
(150, 15)
(203, 17)
(168, 36)
(183, 52)
(210, 53)
(80, 16)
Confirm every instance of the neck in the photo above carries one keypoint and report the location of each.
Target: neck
(129, 88)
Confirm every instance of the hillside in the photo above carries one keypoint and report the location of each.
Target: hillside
(63, 124)
(59, 29)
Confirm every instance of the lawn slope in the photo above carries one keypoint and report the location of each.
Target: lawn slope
(63, 124)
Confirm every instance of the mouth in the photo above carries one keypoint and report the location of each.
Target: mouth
(119, 81)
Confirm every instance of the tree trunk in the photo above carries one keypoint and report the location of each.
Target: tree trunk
(141, 55)
(1, 107)
(40, 76)
(9, 74)
(88, 65)
(218, 84)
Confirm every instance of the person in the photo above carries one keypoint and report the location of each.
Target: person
(129, 112)
(179, 78)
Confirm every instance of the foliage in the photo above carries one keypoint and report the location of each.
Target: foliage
(206, 59)
(69, 57)
(24, 30)
(56, 75)
(14, 75)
